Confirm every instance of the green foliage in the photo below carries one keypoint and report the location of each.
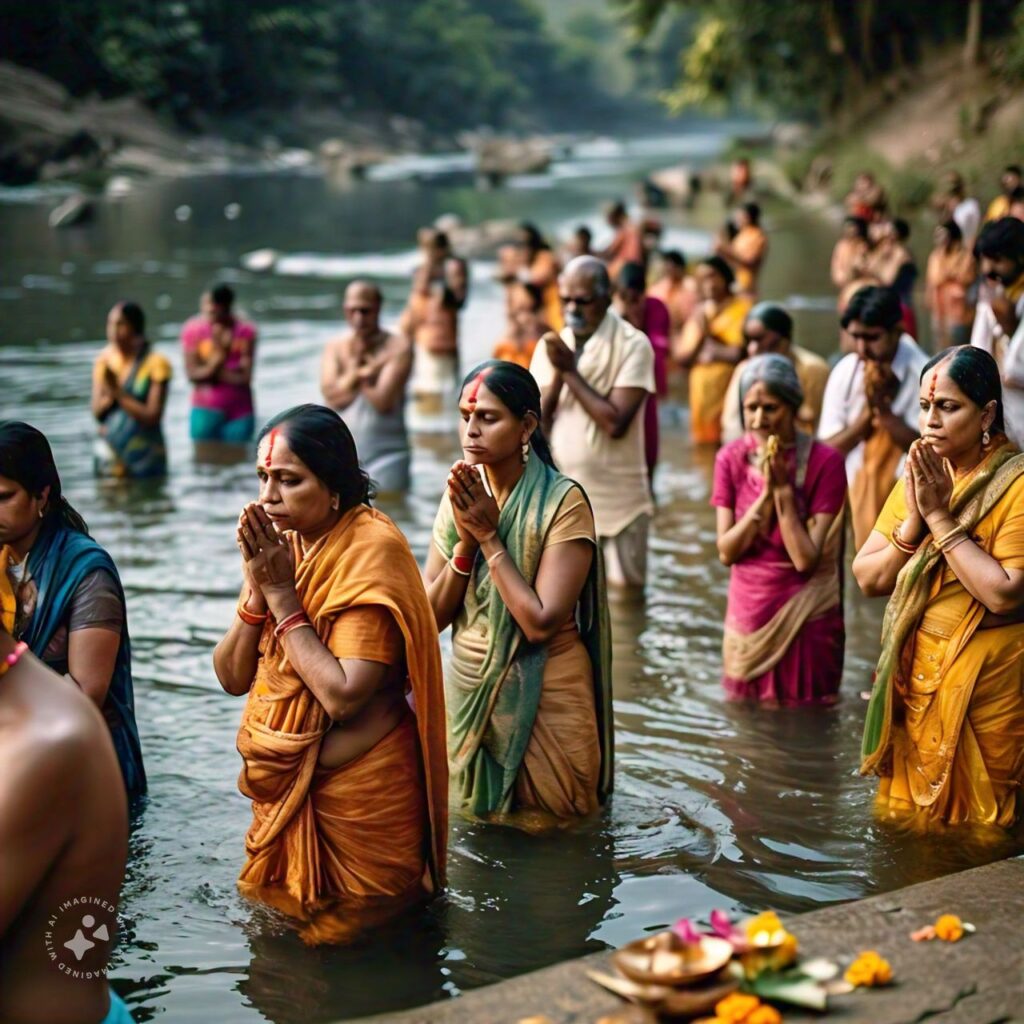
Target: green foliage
(803, 56)
(449, 63)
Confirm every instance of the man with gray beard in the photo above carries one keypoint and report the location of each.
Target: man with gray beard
(595, 379)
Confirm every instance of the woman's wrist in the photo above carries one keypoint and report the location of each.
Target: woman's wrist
(282, 601)
(465, 548)
(939, 522)
(253, 601)
(492, 545)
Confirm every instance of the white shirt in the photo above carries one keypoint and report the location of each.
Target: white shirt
(967, 216)
(986, 333)
(1013, 387)
(845, 398)
(612, 471)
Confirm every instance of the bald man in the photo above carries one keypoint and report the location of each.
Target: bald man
(595, 379)
(363, 376)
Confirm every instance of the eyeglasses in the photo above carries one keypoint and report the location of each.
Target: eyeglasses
(571, 300)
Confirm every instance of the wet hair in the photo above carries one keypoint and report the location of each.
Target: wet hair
(753, 212)
(516, 389)
(999, 239)
(26, 458)
(953, 230)
(594, 268)
(976, 374)
(222, 295)
(860, 224)
(777, 374)
(535, 240)
(535, 292)
(631, 278)
(720, 267)
(367, 285)
(874, 306)
(319, 437)
(774, 317)
(675, 257)
(901, 227)
(132, 312)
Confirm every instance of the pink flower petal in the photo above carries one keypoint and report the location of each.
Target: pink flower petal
(684, 930)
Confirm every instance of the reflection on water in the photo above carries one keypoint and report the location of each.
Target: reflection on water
(715, 805)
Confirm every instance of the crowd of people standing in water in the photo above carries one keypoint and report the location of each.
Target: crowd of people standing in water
(355, 739)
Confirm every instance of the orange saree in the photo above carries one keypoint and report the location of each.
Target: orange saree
(340, 848)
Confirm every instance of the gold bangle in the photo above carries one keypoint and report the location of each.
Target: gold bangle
(941, 542)
(496, 556)
(897, 541)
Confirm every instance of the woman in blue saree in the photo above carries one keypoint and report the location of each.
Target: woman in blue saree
(129, 393)
(60, 591)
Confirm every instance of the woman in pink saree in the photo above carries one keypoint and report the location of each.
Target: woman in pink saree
(779, 497)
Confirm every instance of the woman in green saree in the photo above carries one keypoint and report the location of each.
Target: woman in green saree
(514, 569)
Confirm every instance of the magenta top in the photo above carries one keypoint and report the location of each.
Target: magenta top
(234, 400)
(764, 578)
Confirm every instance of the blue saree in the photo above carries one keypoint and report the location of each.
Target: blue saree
(58, 562)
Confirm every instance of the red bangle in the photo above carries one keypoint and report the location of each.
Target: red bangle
(303, 623)
(462, 564)
(251, 618)
(13, 658)
(298, 618)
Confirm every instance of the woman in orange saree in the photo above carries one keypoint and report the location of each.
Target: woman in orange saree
(945, 725)
(343, 734)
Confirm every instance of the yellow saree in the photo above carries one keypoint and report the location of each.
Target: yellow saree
(343, 847)
(945, 726)
(709, 382)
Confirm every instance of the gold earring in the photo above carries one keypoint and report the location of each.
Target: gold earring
(526, 452)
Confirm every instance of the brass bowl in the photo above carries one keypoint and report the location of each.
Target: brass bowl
(663, 959)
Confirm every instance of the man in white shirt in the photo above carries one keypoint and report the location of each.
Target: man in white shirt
(1000, 310)
(595, 379)
(871, 406)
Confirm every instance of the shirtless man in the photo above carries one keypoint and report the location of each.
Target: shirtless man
(431, 319)
(363, 376)
(64, 837)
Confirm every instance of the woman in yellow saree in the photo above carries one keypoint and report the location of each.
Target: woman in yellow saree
(335, 648)
(945, 725)
(710, 346)
(514, 568)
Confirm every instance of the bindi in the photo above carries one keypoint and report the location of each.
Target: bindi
(271, 438)
(931, 387)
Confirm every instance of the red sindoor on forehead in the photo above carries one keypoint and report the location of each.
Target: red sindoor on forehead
(271, 438)
(475, 386)
(931, 387)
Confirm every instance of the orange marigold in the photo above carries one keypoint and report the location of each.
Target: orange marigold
(869, 970)
(736, 1008)
(764, 1015)
(949, 927)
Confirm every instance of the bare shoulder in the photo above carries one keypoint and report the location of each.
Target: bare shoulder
(40, 759)
(398, 343)
(340, 346)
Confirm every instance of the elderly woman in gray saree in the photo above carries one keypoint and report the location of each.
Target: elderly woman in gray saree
(515, 570)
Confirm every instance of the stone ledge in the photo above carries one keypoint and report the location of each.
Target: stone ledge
(979, 980)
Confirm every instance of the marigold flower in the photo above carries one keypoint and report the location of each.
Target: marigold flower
(736, 1008)
(761, 929)
(949, 927)
(869, 970)
(764, 1015)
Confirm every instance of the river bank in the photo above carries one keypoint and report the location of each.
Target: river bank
(973, 981)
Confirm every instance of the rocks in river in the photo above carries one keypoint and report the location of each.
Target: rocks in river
(499, 156)
(75, 209)
(343, 159)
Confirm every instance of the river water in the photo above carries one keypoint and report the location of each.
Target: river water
(716, 805)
